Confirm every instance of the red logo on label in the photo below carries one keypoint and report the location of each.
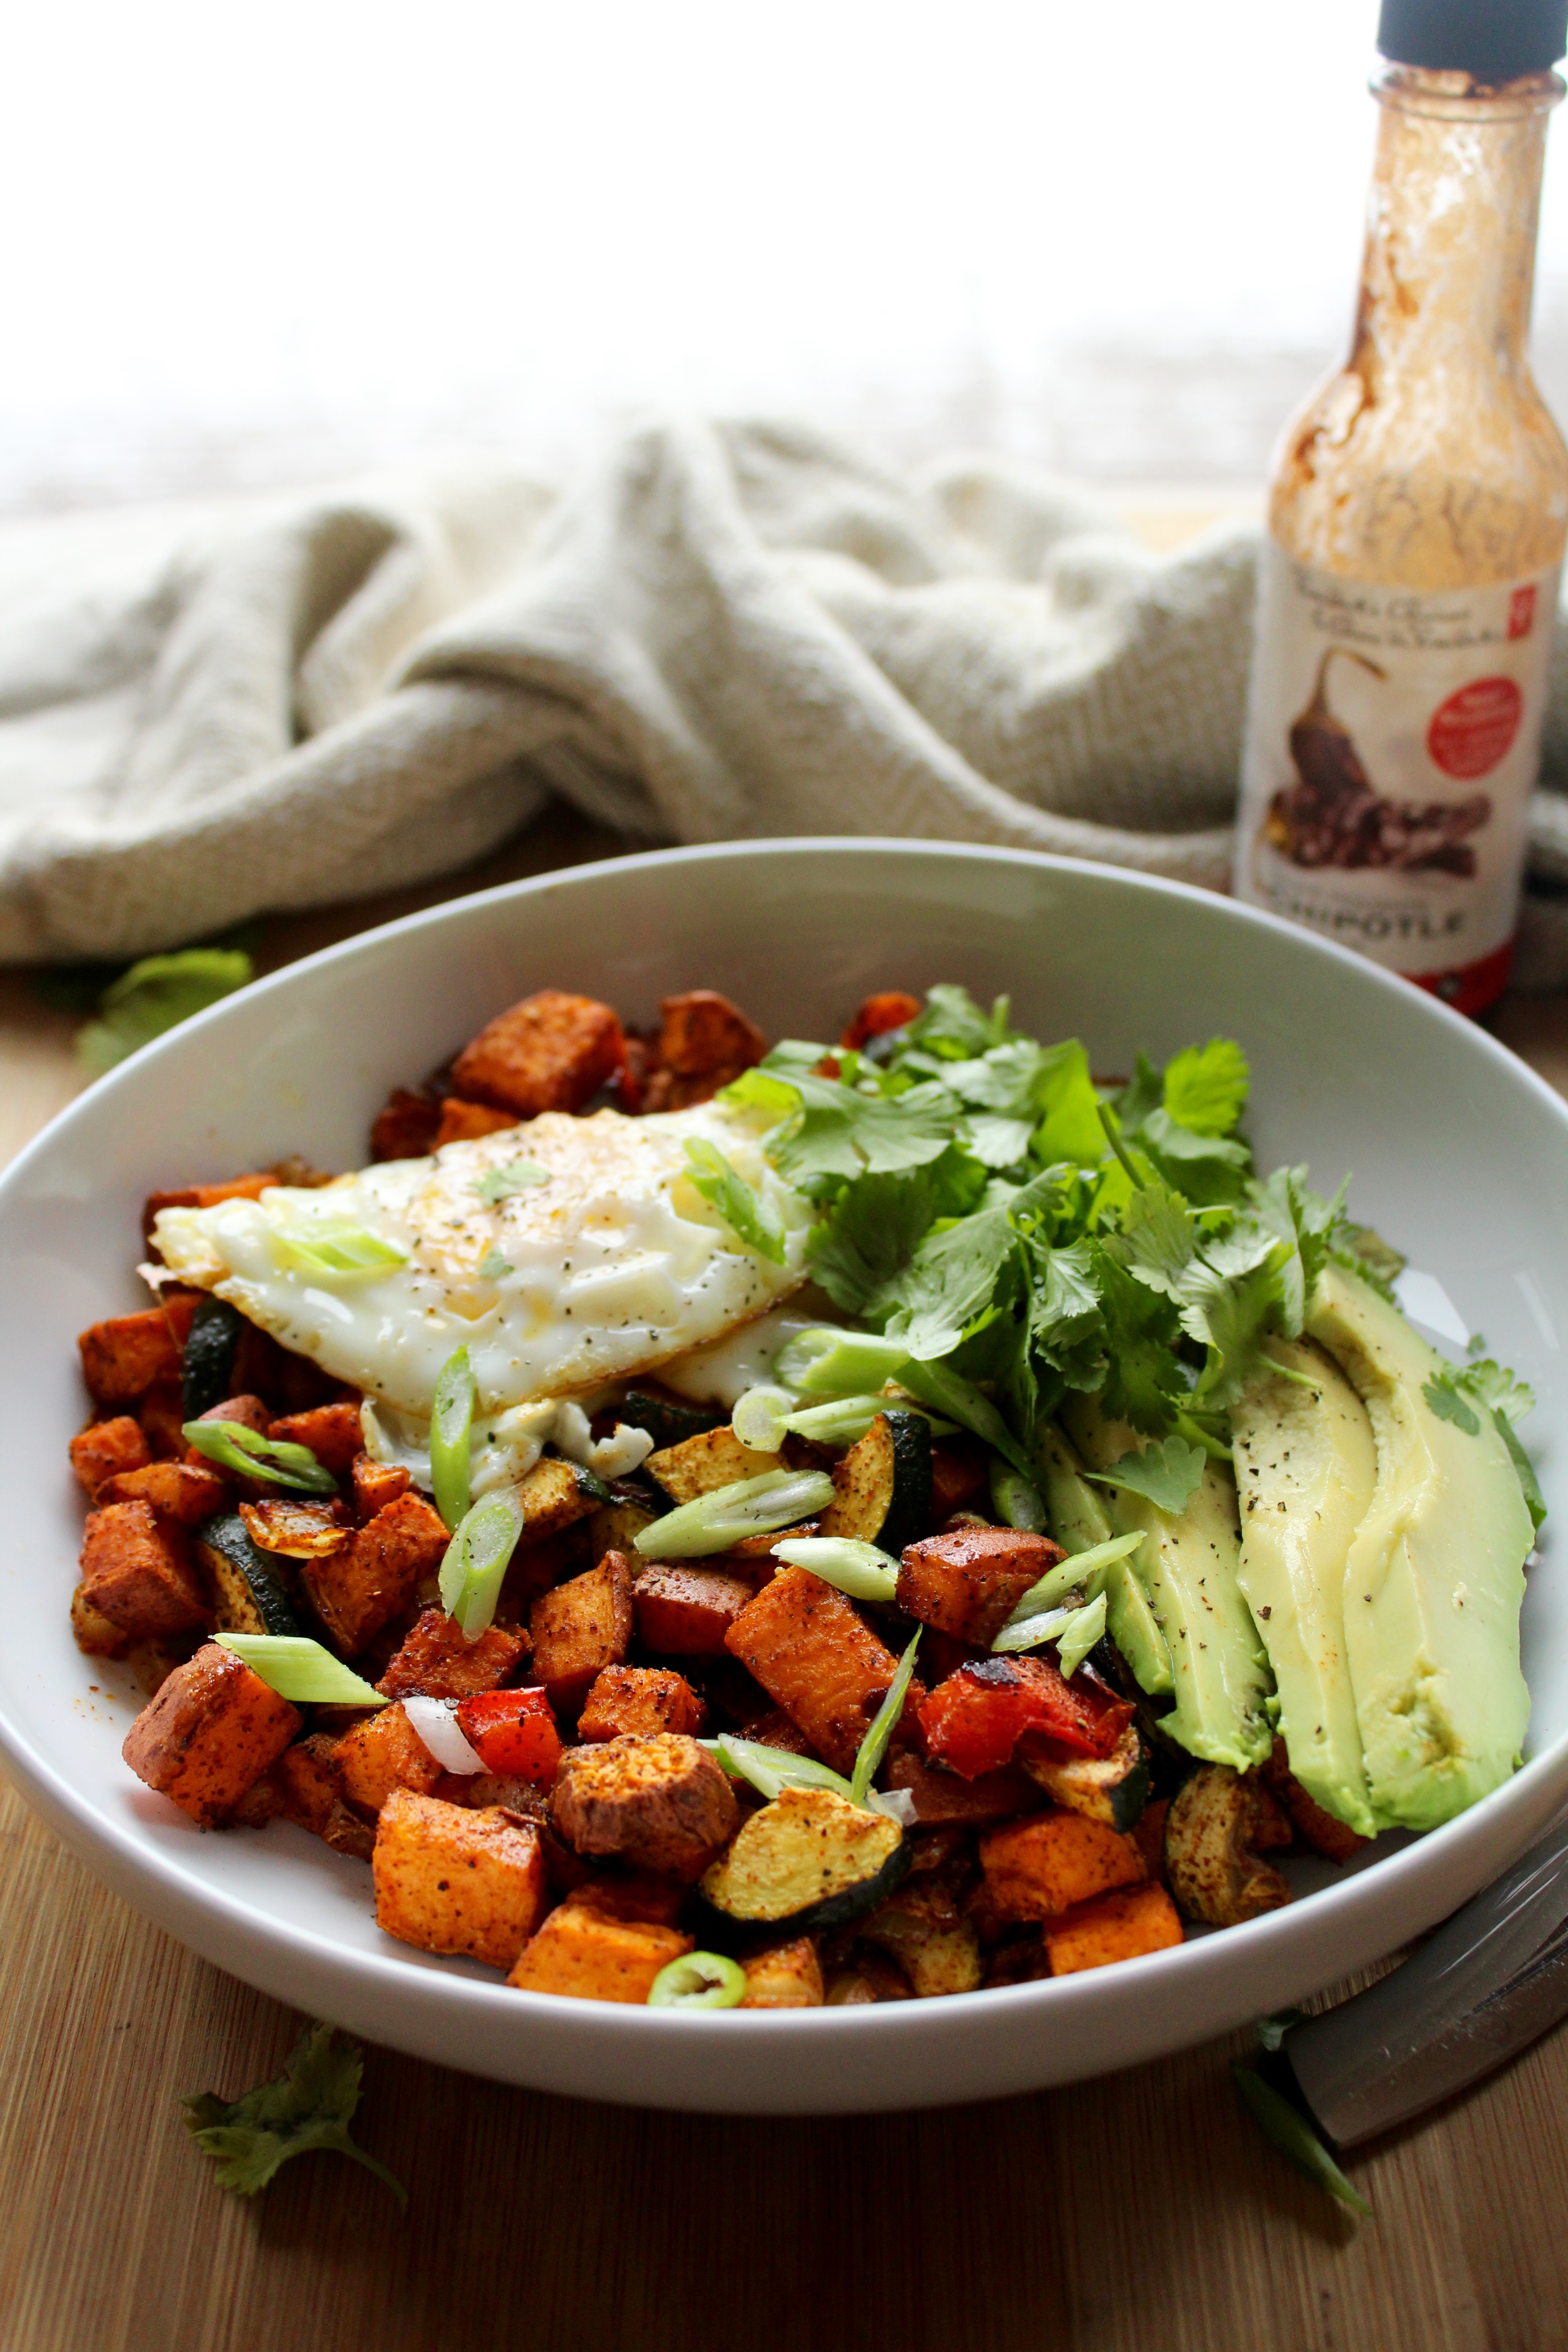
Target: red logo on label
(1475, 728)
(1522, 611)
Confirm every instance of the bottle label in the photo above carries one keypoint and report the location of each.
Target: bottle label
(1393, 738)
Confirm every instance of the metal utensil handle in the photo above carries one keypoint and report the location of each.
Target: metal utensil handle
(1486, 1984)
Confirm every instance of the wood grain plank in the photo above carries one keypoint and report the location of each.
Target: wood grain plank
(1140, 2212)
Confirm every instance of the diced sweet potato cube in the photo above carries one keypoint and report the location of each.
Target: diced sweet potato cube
(660, 1802)
(96, 1636)
(1315, 1827)
(941, 1798)
(819, 1660)
(212, 1729)
(958, 1473)
(581, 1627)
(550, 1052)
(633, 1895)
(376, 1484)
(246, 1408)
(465, 1122)
(702, 1033)
(969, 1583)
(1149, 1836)
(1036, 1868)
(122, 1359)
(1118, 1926)
(774, 1730)
(450, 1879)
(354, 1591)
(405, 1127)
(699, 1464)
(382, 1753)
(789, 1976)
(136, 1572)
(639, 1699)
(685, 1613)
(585, 1957)
(435, 1659)
(332, 1431)
(161, 1413)
(204, 1196)
(310, 1782)
(894, 1008)
(107, 1450)
(179, 1490)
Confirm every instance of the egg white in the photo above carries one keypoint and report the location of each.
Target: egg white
(611, 1268)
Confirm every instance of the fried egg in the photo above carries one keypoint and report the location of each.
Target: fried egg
(564, 1253)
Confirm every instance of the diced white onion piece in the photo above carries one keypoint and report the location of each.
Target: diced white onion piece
(435, 1721)
(899, 1804)
(626, 1450)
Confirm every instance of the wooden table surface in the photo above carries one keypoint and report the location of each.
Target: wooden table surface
(1141, 2211)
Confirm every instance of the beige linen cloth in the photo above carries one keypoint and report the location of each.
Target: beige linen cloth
(721, 631)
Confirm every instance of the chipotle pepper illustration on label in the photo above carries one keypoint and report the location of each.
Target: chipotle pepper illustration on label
(1333, 815)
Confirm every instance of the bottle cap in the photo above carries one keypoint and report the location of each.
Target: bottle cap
(1494, 40)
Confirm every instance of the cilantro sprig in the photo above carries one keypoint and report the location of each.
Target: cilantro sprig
(310, 2105)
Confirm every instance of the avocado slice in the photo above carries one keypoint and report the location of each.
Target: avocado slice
(1306, 1467)
(1435, 1577)
(1188, 1570)
(1079, 1520)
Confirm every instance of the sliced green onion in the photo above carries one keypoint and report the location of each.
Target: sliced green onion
(339, 1249)
(874, 1746)
(857, 1569)
(828, 1362)
(451, 1425)
(1016, 1500)
(493, 1267)
(235, 1447)
(845, 1420)
(1079, 1568)
(300, 1669)
(517, 1176)
(762, 1417)
(699, 1981)
(1078, 1638)
(750, 1216)
(1293, 2136)
(948, 1393)
(476, 1560)
(1030, 1632)
(768, 1769)
(751, 1507)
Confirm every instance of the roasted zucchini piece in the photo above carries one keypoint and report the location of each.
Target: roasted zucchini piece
(206, 1360)
(809, 1862)
(250, 1590)
(616, 1525)
(1112, 1789)
(882, 1487)
(667, 1419)
(700, 1465)
(557, 1494)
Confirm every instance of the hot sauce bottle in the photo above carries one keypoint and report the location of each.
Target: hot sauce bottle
(1417, 514)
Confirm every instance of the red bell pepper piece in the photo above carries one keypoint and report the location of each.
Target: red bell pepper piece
(973, 1719)
(512, 1731)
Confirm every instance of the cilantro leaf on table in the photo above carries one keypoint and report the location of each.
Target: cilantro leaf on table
(750, 1215)
(310, 2105)
(1167, 1474)
(952, 1281)
(1160, 1237)
(155, 995)
(1206, 1087)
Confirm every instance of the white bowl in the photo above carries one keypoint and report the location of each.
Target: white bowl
(1456, 1151)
